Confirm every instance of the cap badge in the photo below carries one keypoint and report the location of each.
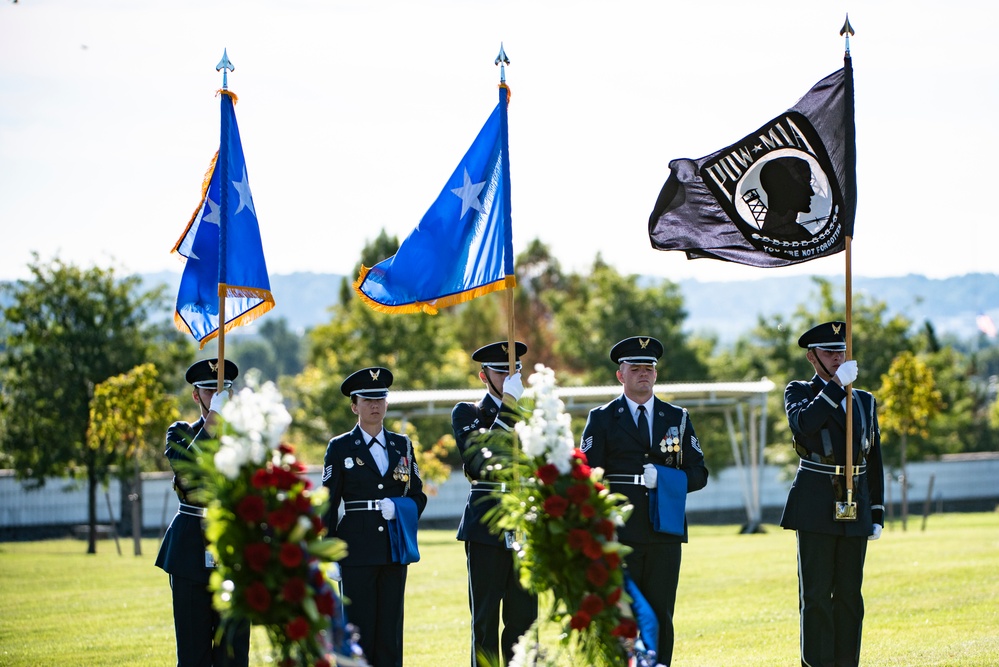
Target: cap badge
(836, 328)
(504, 347)
(375, 373)
(644, 343)
(213, 366)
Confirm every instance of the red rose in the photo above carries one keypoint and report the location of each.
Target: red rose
(578, 538)
(593, 550)
(283, 518)
(598, 486)
(581, 472)
(613, 560)
(261, 479)
(291, 555)
(579, 620)
(578, 493)
(285, 448)
(586, 511)
(302, 503)
(556, 506)
(596, 574)
(297, 628)
(605, 527)
(258, 597)
(579, 455)
(627, 628)
(325, 603)
(547, 473)
(282, 479)
(592, 604)
(256, 555)
(614, 597)
(322, 662)
(251, 509)
(293, 590)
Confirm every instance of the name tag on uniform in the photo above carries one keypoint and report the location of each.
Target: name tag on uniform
(210, 559)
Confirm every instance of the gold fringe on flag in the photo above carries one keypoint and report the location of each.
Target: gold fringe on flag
(431, 307)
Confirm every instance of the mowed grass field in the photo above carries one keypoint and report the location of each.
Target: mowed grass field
(932, 599)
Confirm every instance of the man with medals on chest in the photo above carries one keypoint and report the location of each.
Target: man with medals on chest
(834, 519)
(184, 553)
(632, 438)
(493, 579)
(373, 472)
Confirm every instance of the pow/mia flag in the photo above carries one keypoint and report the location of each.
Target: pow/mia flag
(783, 194)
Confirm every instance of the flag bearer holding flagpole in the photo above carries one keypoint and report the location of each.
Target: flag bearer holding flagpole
(224, 258)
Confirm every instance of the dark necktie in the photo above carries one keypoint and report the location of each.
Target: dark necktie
(643, 428)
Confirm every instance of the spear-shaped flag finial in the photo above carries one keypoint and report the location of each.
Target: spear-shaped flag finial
(502, 61)
(226, 66)
(847, 31)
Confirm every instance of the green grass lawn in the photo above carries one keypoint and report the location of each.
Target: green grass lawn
(932, 599)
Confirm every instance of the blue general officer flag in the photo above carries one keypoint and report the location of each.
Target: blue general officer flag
(222, 245)
(463, 246)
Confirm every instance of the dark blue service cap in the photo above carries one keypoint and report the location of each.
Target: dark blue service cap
(496, 355)
(205, 373)
(826, 336)
(368, 383)
(644, 350)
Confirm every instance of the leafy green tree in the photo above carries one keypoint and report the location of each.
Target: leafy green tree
(908, 400)
(67, 330)
(605, 307)
(129, 413)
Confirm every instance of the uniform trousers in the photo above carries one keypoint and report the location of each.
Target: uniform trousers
(195, 623)
(830, 574)
(493, 579)
(655, 569)
(376, 594)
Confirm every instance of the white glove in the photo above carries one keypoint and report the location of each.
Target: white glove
(651, 476)
(847, 373)
(218, 401)
(514, 386)
(334, 572)
(877, 532)
(388, 509)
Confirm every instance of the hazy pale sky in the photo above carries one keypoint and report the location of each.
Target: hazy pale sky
(353, 114)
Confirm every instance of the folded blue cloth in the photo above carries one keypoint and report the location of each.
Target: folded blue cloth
(668, 501)
(402, 531)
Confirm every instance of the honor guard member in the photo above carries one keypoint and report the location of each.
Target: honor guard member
(366, 469)
(493, 579)
(626, 437)
(184, 552)
(832, 530)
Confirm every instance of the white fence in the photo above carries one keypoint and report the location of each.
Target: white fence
(957, 481)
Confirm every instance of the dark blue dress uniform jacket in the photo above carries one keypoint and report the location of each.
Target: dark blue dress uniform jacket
(813, 407)
(466, 421)
(610, 441)
(350, 473)
(182, 553)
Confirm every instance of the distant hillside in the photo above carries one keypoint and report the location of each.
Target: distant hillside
(727, 309)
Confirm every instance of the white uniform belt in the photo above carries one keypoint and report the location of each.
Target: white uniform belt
(638, 480)
(191, 510)
(827, 469)
(361, 505)
(489, 486)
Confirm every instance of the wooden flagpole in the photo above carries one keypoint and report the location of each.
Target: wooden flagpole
(223, 164)
(846, 31)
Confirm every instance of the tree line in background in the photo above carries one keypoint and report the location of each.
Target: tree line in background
(89, 381)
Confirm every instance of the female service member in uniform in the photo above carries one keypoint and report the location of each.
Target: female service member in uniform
(373, 472)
